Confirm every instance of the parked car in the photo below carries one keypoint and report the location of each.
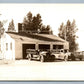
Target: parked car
(42, 55)
(60, 54)
(46, 56)
(76, 56)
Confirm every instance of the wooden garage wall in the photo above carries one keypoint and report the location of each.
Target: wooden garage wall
(18, 50)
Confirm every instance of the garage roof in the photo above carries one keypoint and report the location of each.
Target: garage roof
(22, 36)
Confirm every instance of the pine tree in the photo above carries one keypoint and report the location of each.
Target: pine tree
(11, 27)
(61, 31)
(34, 24)
(68, 32)
(28, 22)
(37, 22)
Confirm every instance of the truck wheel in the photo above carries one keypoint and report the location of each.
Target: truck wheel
(80, 59)
(29, 57)
(73, 58)
(42, 58)
(65, 58)
(53, 58)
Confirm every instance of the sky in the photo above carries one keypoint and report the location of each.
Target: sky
(52, 14)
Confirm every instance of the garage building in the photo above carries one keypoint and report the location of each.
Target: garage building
(14, 44)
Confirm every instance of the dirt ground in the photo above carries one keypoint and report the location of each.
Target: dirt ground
(24, 70)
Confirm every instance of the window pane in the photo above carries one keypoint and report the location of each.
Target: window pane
(6, 46)
(10, 46)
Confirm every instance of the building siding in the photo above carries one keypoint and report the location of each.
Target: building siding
(18, 50)
(7, 53)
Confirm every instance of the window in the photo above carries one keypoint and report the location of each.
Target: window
(6, 46)
(11, 46)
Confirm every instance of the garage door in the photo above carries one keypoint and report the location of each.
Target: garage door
(27, 46)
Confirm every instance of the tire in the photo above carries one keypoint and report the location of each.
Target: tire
(73, 58)
(53, 58)
(65, 58)
(42, 58)
(29, 57)
(80, 59)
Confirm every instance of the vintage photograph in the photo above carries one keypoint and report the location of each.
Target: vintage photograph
(41, 42)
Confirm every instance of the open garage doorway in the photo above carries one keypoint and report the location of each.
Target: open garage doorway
(27, 46)
(44, 47)
(57, 46)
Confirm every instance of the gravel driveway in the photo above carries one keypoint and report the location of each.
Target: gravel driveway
(35, 70)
